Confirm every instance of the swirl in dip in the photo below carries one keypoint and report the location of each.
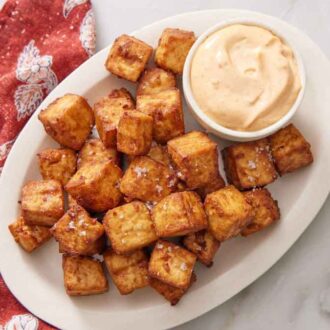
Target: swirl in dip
(244, 77)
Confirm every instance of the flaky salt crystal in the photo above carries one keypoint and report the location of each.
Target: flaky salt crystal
(140, 171)
(183, 266)
(252, 164)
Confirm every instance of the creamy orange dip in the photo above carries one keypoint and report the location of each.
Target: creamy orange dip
(244, 77)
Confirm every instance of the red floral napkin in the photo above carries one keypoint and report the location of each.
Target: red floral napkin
(42, 41)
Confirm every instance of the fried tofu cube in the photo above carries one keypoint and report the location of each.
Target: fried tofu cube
(154, 81)
(215, 184)
(147, 180)
(179, 214)
(83, 276)
(42, 202)
(170, 293)
(57, 164)
(265, 208)
(96, 247)
(249, 165)
(159, 154)
(68, 120)
(134, 134)
(181, 186)
(171, 264)
(203, 244)
(76, 231)
(96, 186)
(108, 112)
(166, 109)
(129, 227)
(128, 272)
(94, 151)
(228, 212)
(128, 57)
(290, 150)
(173, 48)
(29, 237)
(195, 156)
(71, 201)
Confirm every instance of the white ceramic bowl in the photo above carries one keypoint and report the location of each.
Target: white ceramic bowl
(209, 124)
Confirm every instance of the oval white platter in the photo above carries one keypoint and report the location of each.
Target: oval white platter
(36, 279)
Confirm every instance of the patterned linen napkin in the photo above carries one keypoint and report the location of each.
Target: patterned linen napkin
(42, 41)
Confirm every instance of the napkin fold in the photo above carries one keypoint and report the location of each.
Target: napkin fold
(42, 41)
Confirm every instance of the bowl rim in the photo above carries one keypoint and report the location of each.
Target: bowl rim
(210, 124)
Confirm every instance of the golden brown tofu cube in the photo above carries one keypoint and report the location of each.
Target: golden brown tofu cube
(71, 201)
(128, 272)
(29, 237)
(128, 57)
(68, 120)
(94, 151)
(147, 180)
(203, 244)
(76, 231)
(57, 164)
(96, 247)
(134, 133)
(83, 276)
(96, 186)
(171, 264)
(195, 156)
(108, 112)
(155, 80)
(42, 202)
(290, 150)
(129, 227)
(173, 48)
(265, 208)
(159, 154)
(166, 109)
(179, 214)
(215, 184)
(181, 186)
(228, 212)
(249, 165)
(170, 293)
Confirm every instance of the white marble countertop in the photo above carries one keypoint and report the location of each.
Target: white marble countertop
(295, 292)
